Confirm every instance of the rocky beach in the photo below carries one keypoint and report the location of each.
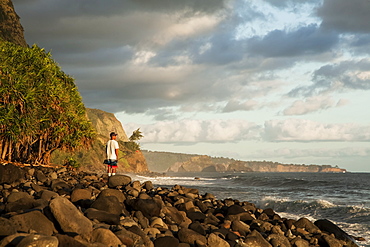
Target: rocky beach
(46, 206)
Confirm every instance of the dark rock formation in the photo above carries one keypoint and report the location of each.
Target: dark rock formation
(69, 208)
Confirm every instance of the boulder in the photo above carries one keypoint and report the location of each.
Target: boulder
(39, 241)
(15, 196)
(112, 192)
(79, 195)
(255, 239)
(102, 216)
(70, 219)
(109, 204)
(66, 241)
(306, 224)
(48, 195)
(20, 205)
(33, 221)
(149, 207)
(7, 227)
(167, 241)
(190, 236)
(106, 236)
(10, 173)
(173, 214)
(215, 240)
(118, 180)
(329, 227)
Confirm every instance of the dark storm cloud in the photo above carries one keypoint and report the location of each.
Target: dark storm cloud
(307, 40)
(353, 75)
(346, 16)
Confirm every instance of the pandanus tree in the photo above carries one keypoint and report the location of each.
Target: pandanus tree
(41, 109)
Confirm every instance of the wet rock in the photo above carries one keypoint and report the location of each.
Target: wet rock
(329, 227)
(70, 219)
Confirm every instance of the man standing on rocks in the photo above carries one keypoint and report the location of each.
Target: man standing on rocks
(112, 154)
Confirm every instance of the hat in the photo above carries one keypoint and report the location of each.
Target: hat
(113, 134)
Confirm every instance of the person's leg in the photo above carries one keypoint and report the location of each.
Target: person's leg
(109, 171)
(114, 170)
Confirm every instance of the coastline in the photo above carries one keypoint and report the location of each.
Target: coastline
(133, 213)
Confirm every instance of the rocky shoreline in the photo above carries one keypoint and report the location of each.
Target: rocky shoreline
(43, 206)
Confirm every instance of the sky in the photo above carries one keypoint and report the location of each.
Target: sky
(279, 80)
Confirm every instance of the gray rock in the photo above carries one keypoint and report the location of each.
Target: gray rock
(70, 219)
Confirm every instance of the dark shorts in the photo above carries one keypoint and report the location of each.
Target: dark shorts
(112, 163)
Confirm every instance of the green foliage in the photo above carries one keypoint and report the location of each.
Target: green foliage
(41, 109)
(72, 163)
(132, 144)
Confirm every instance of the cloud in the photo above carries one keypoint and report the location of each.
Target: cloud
(286, 3)
(307, 40)
(189, 131)
(301, 130)
(346, 16)
(353, 75)
(312, 104)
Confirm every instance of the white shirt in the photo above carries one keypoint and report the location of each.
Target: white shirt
(112, 145)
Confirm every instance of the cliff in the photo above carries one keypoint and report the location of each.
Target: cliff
(92, 159)
(10, 27)
(175, 162)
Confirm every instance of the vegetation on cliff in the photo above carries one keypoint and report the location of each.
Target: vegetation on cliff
(40, 107)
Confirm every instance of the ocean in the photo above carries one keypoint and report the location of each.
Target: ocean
(343, 198)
